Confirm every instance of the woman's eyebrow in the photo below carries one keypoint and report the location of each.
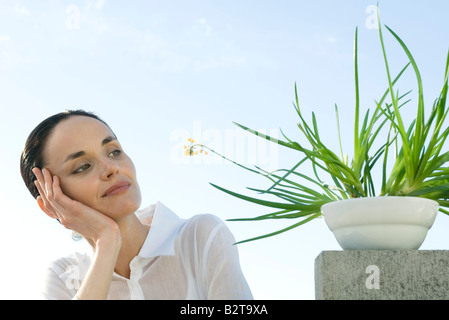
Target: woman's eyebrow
(78, 154)
(108, 139)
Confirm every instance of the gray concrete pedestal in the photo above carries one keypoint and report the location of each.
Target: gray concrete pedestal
(382, 274)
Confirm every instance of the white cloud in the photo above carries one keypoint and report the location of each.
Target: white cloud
(22, 10)
(4, 38)
(224, 61)
(100, 4)
(203, 26)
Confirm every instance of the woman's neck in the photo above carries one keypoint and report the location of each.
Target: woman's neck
(133, 234)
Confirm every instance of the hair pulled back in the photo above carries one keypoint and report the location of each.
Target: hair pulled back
(32, 154)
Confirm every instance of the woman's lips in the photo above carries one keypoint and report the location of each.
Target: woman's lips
(117, 188)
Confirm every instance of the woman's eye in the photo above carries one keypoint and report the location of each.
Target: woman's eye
(115, 153)
(82, 168)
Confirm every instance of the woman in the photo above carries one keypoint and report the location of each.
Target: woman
(79, 174)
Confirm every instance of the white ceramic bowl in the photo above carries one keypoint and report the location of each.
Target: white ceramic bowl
(395, 223)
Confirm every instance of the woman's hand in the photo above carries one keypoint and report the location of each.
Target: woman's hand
(93, 225)
(102, 232)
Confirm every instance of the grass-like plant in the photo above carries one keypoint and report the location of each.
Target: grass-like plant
(419, 164)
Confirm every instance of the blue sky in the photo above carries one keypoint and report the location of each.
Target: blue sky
(160, 72)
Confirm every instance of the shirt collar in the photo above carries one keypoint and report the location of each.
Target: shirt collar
(163, 231)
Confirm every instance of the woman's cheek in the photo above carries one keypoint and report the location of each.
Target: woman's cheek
(81, 191)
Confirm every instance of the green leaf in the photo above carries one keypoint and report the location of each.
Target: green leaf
(282, 230)
(266, 203)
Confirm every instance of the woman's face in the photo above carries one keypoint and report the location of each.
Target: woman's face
(92, 166)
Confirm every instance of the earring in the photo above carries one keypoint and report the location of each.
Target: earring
(76, 236)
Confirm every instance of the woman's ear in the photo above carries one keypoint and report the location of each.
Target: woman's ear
(40, 202)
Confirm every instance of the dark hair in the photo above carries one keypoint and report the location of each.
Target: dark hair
(32, 154)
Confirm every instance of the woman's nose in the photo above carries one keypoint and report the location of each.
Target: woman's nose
(111, 168)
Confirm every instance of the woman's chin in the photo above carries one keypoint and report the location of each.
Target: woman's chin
(121, 207)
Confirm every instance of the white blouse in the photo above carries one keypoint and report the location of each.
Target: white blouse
(180, 259)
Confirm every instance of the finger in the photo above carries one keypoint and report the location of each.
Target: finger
(59, 196)
(69, 209)
(41, 181)
(40, 177)
(48, 183)
(46, 206)
(71, 212)
(41, 191)
(58, 200)
(40, 185)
